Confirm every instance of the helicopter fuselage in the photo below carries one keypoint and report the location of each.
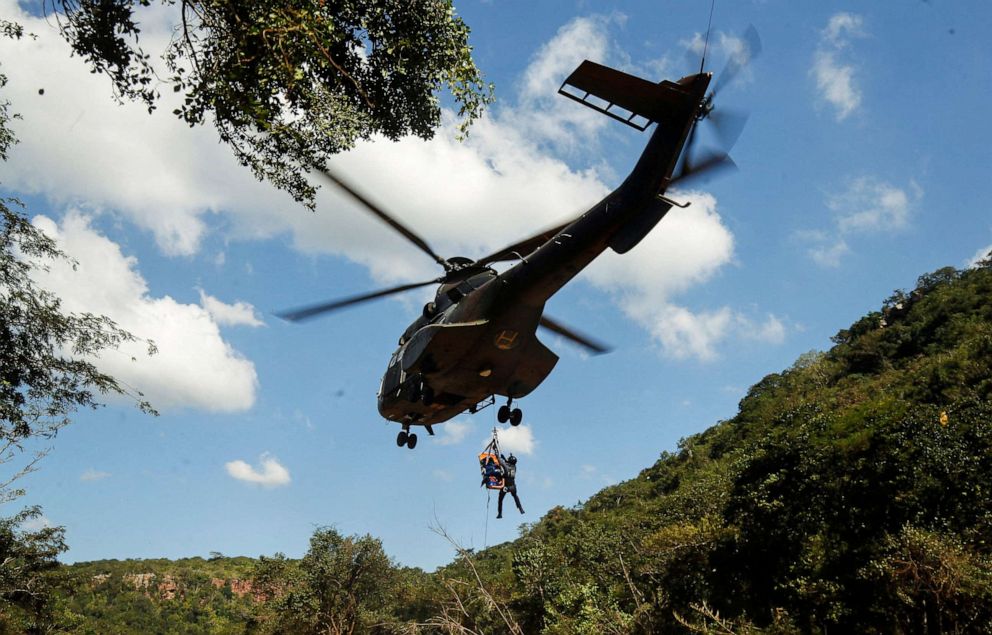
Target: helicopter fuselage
(479, 337)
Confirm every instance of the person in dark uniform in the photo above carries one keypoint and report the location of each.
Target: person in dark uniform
(509, 484)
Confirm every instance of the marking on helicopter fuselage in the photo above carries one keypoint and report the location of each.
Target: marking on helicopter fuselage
(506, 340)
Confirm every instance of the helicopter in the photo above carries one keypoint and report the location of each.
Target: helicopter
(477, 339)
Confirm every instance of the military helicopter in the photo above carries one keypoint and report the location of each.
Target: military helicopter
(477, 339)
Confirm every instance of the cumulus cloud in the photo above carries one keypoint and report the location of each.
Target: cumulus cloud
(454, 432)
(836, 79)
(239, 313)
(985, 253)
(517, 439)
(194, 366)
(541, 113)
(36, 523)
(91, 474)
(688, 248)
(737, 50)
(830, 254)
(867, 205)
(870, 204)
(841, 28)
(467, 198)
(271, 472)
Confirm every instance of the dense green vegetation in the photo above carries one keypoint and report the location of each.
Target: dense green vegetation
(851, 493)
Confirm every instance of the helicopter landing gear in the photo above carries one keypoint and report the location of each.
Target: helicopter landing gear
(407, 438)
(514, 416)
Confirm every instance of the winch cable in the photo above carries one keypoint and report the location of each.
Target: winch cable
(494, 446)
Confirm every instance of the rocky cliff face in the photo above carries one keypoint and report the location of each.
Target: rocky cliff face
(169, 587)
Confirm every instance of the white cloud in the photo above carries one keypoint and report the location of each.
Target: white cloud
(271, 474)
(518, 440)
(868, 205)
(91, 474)
(688, 248)
(980, 255)
(35, 523)
(836, 79)
(239, 313)
(736, 50)
(842, 27)
(771, 331)
(871, 205)
(454, 432)
(543, 114)
(443, 475)
(467, 198)
(829, 255)
(684, 334)
(194, 366)
(836, 84)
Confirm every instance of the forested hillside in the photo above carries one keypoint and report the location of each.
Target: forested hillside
(851, 493)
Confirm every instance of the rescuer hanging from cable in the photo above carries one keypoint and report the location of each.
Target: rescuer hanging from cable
(509, 484)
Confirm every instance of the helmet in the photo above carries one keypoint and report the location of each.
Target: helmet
(512, 460)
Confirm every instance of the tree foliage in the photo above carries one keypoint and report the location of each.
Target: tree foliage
(27, 559)
(288, 83)
(342, 585)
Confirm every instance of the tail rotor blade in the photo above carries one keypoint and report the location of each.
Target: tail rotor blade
(709, 166)
(728, 126)
(311, 311)
(739, 59)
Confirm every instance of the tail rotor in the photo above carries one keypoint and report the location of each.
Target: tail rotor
(726, 124)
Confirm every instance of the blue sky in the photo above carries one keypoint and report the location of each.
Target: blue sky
(864, 164)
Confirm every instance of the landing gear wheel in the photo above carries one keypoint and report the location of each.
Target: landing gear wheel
(503, 414)
(426, 395)
(411, 441)
(516, 417)
(402, 439)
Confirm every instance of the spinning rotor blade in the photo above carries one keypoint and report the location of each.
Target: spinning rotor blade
(517, 251)
(752, 48)
(307, 312)
(711, 164)
(595, 347)
(728, 126)
(386, 218)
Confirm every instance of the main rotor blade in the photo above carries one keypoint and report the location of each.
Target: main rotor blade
(517, 251)
(386, 218)
(595, 347)
(307, 312)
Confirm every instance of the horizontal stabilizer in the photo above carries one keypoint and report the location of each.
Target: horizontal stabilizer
(626, 98)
